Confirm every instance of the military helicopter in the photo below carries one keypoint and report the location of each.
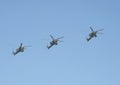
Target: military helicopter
(54, 41)
(20, 49)
(93, 33)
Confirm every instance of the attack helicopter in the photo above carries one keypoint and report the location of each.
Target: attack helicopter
(20, 49)
(93, 33)
(54, 41)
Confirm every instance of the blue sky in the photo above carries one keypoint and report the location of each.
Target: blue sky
(72, 62)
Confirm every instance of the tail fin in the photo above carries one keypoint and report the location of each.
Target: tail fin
(48, 47)
(88, 39)
(14, 53)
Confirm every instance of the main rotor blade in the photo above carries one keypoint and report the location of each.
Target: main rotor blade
(99, 33)
(99, 30)
(60, 41)
(52, 37)
(91, 29)
(28, 46)
(20, 44)
(60, 37)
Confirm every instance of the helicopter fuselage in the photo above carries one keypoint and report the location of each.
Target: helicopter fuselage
(20, 49)
(54, 42)
(93, 34)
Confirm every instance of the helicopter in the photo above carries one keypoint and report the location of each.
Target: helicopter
(54, 41)
(20, 49)
(93, 33)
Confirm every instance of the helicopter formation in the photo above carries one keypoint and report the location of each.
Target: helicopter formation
(55, 41)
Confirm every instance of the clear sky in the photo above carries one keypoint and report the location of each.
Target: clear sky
(72, 62)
